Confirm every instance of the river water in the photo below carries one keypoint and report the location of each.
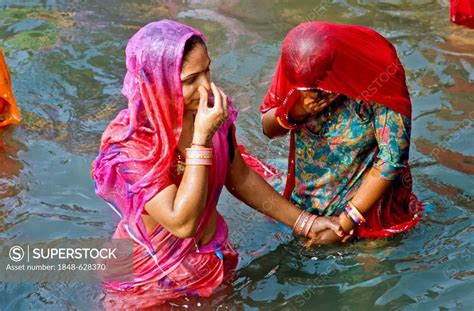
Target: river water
(67, 64)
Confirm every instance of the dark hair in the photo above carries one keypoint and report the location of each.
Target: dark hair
(192, 42)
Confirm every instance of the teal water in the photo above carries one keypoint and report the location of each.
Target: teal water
(67, 65)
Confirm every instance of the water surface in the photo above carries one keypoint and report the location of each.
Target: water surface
(67, 65)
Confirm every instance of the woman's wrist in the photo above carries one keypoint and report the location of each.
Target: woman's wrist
(346, 222)
(201, 139)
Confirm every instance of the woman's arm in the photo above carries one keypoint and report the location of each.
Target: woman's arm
(392, 132)
(179, 209)
(249, 187)
(271, 127)
(373, 187)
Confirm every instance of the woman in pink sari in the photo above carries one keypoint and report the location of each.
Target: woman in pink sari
(163, 163)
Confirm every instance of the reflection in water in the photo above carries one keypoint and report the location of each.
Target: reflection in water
(67, 64)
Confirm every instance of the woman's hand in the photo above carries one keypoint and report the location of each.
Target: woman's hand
(310, 104)
(209, 119)
(323, 223)
(329, 231)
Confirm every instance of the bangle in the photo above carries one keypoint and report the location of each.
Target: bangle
(297, 221)
(303, 224)
(199, 156)
(311, 221)
(356, 210)
(283, 124)
(354, 214)
(282, 118)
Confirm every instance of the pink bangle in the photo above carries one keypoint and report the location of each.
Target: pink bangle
(199, 156)
(296, 224)
(303, 224)
(310, 223)
(354, 214)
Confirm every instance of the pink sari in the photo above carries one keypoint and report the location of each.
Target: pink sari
(136, 162)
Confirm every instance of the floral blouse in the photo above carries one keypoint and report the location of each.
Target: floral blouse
(338, 147)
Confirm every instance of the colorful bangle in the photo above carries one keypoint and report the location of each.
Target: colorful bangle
(303, 223)
(199, 156)
(356, 210)
(354, 214)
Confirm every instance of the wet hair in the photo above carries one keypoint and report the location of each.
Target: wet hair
(190, 45)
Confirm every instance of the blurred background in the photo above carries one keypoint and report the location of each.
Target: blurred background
(67, 65)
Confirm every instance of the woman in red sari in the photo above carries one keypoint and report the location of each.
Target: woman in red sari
(340, 91)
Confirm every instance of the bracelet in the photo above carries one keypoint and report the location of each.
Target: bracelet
(199, 156)
(354, 214)
(282, 118)
(311, 221)
(296, 224)
(283, 124)
(303, 223)
(356, 211)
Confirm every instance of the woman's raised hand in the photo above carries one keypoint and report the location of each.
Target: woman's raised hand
(209, 119)
(311, 105)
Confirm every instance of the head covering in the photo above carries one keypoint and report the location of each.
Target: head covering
(138, 147)
(9, 113)
(352, 60)
(462, 12)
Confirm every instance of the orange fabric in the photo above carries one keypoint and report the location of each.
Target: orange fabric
(9, 113)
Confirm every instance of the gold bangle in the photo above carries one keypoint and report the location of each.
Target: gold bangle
(281, 123)
(204, 156)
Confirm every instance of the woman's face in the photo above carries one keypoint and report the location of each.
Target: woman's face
(195, 72)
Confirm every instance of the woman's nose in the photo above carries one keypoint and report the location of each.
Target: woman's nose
(206, 84)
